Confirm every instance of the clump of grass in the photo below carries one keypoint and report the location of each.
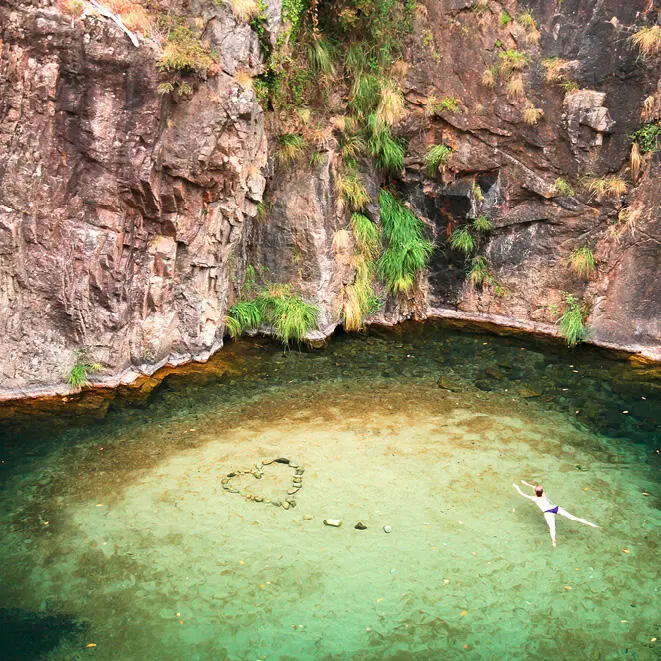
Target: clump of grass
(351, 147)
(511, 60)
(647, 107)
(391, 104)
(446, 104)
(134, 16)
(648, 40)
(352, 191)
(165, 88)
(478, 274)
(407, 252)
(243, 316)
(291, 146)
(436, 157)
(359, 298)
(563, 188)
(482, 223)
(365, 94)
(555, 69)
(571, 323)
(462, 239)
(476, 191)
(289, 315)
(609, 186)
(366, 235)
(320, 56)
(184, 51)
(527, 22)
(505, 18)
(388, 151)
(636, 160)
(341, 241)
(531, 115)
(489, 77)
(582, 262)
(78, 376)
(515, 87)
(244, 10)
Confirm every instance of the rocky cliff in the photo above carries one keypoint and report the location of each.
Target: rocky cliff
(128, 217)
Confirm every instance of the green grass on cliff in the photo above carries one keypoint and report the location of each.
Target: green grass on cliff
(183, 50)
(366, 235)
(78, 376)
(407, 251)
(571, 323)
(435, 157)
(276, 306)
(462, 239)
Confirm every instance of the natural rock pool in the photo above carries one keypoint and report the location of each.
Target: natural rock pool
(120, 542)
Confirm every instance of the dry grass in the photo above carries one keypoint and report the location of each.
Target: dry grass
(304, 114)
(391, 104)
(531, 115)
(609, 186)
(555, 69)
(648, 40)
(636, 161)
(339, 122)
(626, 221)
(71, 7)
(489, 77)
(244, 10)
(399, 69)
(341, 241)
(515, 87)
(648, 108)
(321, 137)
(531, 34)
(134, 16)
(244, 78)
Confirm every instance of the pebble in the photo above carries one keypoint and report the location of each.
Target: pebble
(291, 492)
(307, 517)
(335, 523)
(387, 529)
(360, 526)
(285, 505)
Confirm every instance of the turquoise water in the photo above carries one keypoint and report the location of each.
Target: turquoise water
(118, 534)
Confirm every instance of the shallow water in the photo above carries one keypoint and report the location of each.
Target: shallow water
(118, 533)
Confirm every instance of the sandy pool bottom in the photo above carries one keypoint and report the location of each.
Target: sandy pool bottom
(162, 563)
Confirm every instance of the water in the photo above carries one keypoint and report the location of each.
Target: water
(117, 532)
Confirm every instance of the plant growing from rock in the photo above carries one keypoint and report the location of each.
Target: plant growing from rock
(609, 186)
(407, 251)
(647, 40)
(562, 188)
(366, 234)
(571, 323)
(527, 22)
(462, 239)
(390, 108)
(291, 146)
(274, 305)
(78, 376)
(446, 104)
(647, 137)
(482, 223)
(183, 51)
(489, 76)
(386, 149)
(245, 10)
(352, 191)
(478, 274)
(556, 69)
(582, 262)
(531, 115)
(511, 60)
(515, 87)
(436, 157)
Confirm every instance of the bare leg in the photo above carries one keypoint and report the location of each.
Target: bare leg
(550, 521)
(567, 515)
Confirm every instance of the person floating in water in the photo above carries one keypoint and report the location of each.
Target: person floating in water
(548, 508)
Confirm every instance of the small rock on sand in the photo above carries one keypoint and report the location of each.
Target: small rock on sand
(360, 526)
(387, 529)
(335, 523)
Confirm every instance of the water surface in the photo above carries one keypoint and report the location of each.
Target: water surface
(117, 533)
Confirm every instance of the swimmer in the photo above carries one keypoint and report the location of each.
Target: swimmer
(548, 508)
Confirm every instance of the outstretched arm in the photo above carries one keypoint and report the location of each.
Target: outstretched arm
(532, 486)
(516, 486)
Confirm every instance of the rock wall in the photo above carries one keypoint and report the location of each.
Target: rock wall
(127, 218)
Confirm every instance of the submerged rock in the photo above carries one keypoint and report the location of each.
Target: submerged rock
(387, 529)
(334, 523)
(360, 526)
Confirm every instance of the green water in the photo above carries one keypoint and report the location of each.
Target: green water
(117, 532)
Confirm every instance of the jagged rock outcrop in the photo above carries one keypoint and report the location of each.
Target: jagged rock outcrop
(121, 210)
(127, 219)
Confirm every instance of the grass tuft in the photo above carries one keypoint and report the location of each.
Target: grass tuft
(531, 115)
(462, 239)
(78, 376)
(609, 186)
(572, 322)
(636, 160)
(243, 316)
(320, 56)
(478, 274)
(515, 87)
(291, 147)
(184, 52)
(582, 262)
(562, 188)
(407, 252)
(482, 223)
(648, 40)
(391, 104)
(352, 191)
(388, 151)
(341, 241)
(489, 77)
(366, 235)
(436, 157)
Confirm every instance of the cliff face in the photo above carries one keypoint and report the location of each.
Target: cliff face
(127, 218)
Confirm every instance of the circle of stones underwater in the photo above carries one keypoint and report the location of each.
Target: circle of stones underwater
(258, 472)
